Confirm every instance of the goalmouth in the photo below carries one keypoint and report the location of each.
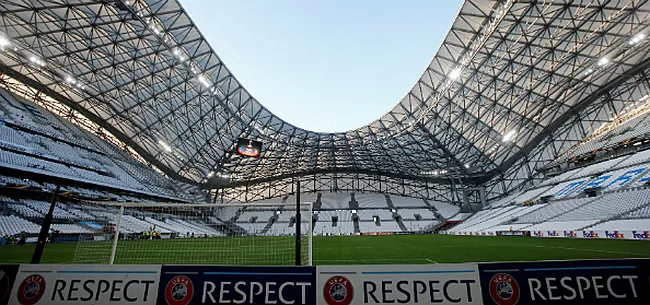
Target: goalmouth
(267, 233)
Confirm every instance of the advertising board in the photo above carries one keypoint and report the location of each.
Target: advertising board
(85, 284)
(182, 285)
(594, 282)
(513, 233)
(400, 284)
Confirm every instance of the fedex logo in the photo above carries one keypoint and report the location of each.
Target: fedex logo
(590, 234)
(615, 234)
(552, 233)
(570, 234)
(538, 233)
(641, 235)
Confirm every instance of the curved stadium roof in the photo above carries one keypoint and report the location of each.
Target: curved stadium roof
(513, 85)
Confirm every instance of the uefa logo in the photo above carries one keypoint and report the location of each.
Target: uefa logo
(31, 290)
(504, 289)
(179, 291)
(338, 291)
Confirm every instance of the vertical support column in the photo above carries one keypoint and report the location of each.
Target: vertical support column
(298, 223)
(45, 227)
(311, 232)
(117, 235)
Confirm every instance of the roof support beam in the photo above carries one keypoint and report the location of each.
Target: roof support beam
(112, 130)
(566, 117)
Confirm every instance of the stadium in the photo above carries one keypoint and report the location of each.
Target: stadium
(124, 139)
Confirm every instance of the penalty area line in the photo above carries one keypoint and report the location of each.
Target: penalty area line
(377, 260)
(584, 249)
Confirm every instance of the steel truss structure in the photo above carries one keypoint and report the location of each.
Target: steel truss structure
(513, 85)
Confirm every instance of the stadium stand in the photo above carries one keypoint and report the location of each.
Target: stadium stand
(403, 202)
(612, 163)
(620, 199)
(34, 140)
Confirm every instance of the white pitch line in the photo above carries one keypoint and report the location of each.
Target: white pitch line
(431, 261)
(372, 260)
(584, 249)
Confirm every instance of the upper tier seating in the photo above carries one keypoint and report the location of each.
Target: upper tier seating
(341, 214)
(262, 216)
(33, 139)
(338, 201)
(446, 210)
(11, 225)
(371, 200)
(409, 214)
(368, 214)
(401, 202)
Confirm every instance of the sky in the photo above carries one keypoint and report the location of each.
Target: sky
(328, 65)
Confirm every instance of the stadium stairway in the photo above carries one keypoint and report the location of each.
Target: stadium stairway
(357, 229)
(354, 204)
(318, 204)
(269, 224)
(236, 217)
(400, 223)
(389, 202)
(426, 202)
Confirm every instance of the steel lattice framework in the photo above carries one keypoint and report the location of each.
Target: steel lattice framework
(513, 85)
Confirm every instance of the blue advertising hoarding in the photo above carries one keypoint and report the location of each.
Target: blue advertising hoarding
(182, 285)
(594, 282)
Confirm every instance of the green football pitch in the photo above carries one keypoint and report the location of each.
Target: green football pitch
(336, 250)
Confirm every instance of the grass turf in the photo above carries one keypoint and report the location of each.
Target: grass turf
(337, 250)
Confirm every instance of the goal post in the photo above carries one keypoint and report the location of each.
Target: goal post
(214, 234)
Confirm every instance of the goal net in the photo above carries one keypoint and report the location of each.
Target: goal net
(215, 234)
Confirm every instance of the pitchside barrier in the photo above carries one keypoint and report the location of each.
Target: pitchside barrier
(596, 282)
(627, 234)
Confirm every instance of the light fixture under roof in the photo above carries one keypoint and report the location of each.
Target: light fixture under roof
(37, 61)
(637, 38)
(509, 136)
(166, 147)
(4, 42)
(454, 74)
(603, 61)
